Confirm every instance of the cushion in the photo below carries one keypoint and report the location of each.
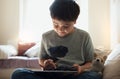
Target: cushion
(7, 50)
(112, 64)
(115, 54)
(24, 46)
(33, 51)
(3, 55)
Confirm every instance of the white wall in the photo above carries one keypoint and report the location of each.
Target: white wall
(99, 22)
(9, 21)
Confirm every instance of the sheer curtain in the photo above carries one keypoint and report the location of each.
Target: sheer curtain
(115, 24)
(35, 18)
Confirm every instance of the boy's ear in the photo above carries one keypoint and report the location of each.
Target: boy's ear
(74, 22)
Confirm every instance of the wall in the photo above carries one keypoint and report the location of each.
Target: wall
(9, 21)
(99, 22)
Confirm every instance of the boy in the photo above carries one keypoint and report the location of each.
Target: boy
(77, 42)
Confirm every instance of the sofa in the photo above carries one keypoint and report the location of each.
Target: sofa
(29, 60)
(112, 64)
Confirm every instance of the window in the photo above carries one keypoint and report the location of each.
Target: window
(35, 18)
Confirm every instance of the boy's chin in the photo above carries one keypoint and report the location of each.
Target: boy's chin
(62, 35)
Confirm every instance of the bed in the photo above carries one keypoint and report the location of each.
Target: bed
(7, 66)
(25, 56)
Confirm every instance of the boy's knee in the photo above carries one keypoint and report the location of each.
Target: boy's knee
(17, 73)
(90, 75)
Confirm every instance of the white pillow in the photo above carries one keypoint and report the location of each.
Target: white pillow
(3, 55)
(33, 51)
(6, 51)
(115, 53)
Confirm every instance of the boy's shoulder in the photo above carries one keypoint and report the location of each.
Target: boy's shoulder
(48, 33)
(81, 32)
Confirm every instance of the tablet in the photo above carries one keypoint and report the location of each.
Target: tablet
(56, 71)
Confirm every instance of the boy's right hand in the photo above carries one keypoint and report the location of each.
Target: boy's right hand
(49, 64)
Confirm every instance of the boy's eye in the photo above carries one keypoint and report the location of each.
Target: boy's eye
(55, 24)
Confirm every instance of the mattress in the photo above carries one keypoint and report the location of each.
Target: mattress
(19, 62)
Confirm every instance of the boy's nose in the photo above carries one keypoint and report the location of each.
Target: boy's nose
(61, 29)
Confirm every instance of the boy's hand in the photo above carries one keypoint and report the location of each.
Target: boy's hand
(49, 64)
(79, 68)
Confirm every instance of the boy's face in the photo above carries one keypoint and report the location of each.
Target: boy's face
(63, 28)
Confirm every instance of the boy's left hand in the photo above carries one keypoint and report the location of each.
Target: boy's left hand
(79, 68)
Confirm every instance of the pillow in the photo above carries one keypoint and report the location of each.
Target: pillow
(112, 64)
(3, 55)
(6, 51)
(33, 51)
(115, 54)
(24, 46)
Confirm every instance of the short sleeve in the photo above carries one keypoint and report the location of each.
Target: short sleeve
(43, 54)
(88, 49)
